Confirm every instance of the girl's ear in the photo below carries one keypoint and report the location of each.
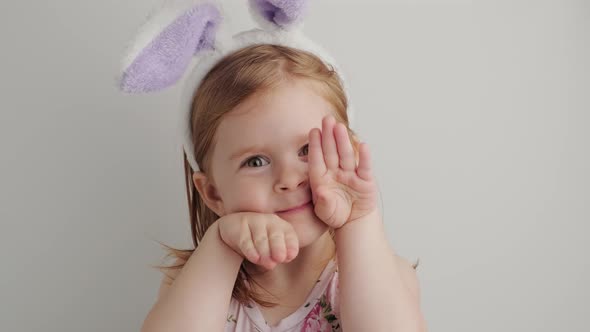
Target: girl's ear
(208, 193)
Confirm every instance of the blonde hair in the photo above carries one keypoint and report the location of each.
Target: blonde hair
(238, 76)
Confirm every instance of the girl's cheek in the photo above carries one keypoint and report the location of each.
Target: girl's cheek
(248, 194)
(251, 200)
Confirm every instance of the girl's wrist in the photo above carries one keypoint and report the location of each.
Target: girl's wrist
(371, 215)
(366, 227)
(213, 235)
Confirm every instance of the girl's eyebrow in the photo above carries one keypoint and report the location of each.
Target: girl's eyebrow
(243, 151)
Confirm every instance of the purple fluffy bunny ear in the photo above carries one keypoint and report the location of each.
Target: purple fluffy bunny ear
(278, 14)
(167, 43)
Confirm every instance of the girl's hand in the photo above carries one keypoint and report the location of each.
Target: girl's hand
(263, 239)
(342, 191)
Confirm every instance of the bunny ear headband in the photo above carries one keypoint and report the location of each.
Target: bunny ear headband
(189, 35)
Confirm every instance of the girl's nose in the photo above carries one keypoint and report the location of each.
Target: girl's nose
(291, 178)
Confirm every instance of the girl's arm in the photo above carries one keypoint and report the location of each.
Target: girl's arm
(199, 298)
(376, 292)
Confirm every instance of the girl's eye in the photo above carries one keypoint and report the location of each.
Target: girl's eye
(254, 162)
(258, 161)
(305, 149)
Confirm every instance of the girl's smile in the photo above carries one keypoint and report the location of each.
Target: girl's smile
(296, 209)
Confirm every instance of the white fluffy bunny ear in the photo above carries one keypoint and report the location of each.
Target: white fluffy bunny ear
(167, 42)
(278, 14)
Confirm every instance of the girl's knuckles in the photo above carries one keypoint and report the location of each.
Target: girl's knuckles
(260, 240)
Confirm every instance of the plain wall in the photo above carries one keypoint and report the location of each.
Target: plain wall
(477, 114)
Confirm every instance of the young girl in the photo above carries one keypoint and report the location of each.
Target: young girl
(282, 199)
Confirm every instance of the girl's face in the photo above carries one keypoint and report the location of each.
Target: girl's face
(259, 161)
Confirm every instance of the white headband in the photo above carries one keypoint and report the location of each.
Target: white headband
(189, 36)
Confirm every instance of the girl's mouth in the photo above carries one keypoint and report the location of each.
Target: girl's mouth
(296, 209)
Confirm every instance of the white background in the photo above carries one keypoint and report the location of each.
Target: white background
(477, 114)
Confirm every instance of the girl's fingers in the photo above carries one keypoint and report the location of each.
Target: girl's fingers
(317, 166)
(291, 243)
(246, 244)
(364, 169)
(345, 151)
(329, 143)
(278, 249)
(268, 242)
(260, 239)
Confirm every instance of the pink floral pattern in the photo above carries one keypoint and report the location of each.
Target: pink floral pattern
(321, 318)
(332, 294)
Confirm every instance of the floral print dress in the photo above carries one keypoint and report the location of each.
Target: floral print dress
(319, 314)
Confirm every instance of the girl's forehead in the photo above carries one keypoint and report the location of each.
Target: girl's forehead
(268, 127)
(281, 110)
(282, 116)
